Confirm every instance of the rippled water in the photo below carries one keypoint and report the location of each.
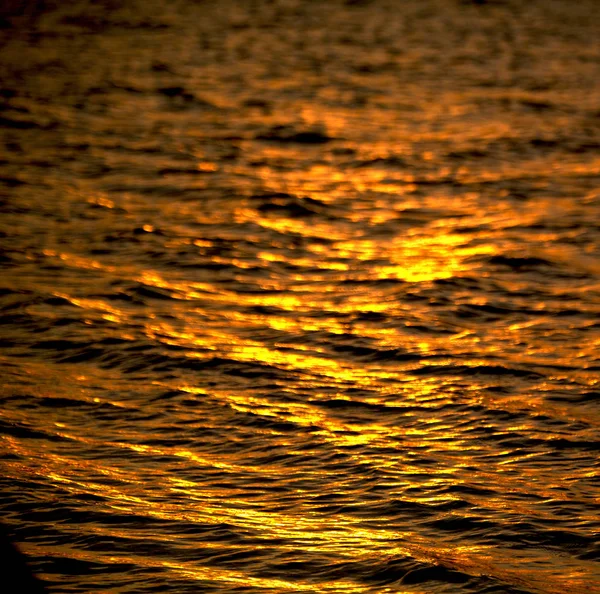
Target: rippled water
(302, 296)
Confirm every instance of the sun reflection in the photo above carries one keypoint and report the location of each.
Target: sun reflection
(252, 359)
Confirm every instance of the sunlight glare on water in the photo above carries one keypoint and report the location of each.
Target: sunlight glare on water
(301, 297)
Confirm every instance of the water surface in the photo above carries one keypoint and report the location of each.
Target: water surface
(302, 296)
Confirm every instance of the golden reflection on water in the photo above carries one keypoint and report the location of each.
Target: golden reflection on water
(397, 225)
(348, 538)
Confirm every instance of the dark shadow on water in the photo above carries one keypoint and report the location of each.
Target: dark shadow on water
(16, 573)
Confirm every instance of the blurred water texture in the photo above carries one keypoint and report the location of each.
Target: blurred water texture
(302, 296)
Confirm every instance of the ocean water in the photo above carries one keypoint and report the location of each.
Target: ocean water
(301, 296)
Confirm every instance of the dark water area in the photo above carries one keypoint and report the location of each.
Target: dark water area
(301, 296)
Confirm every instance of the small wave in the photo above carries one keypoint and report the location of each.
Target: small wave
(475, 370)
(291, 206)
(288, 134)
(23, 430)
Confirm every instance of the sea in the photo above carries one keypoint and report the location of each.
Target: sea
(301, 296)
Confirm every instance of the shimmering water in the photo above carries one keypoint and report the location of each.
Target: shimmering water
(302, 296)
